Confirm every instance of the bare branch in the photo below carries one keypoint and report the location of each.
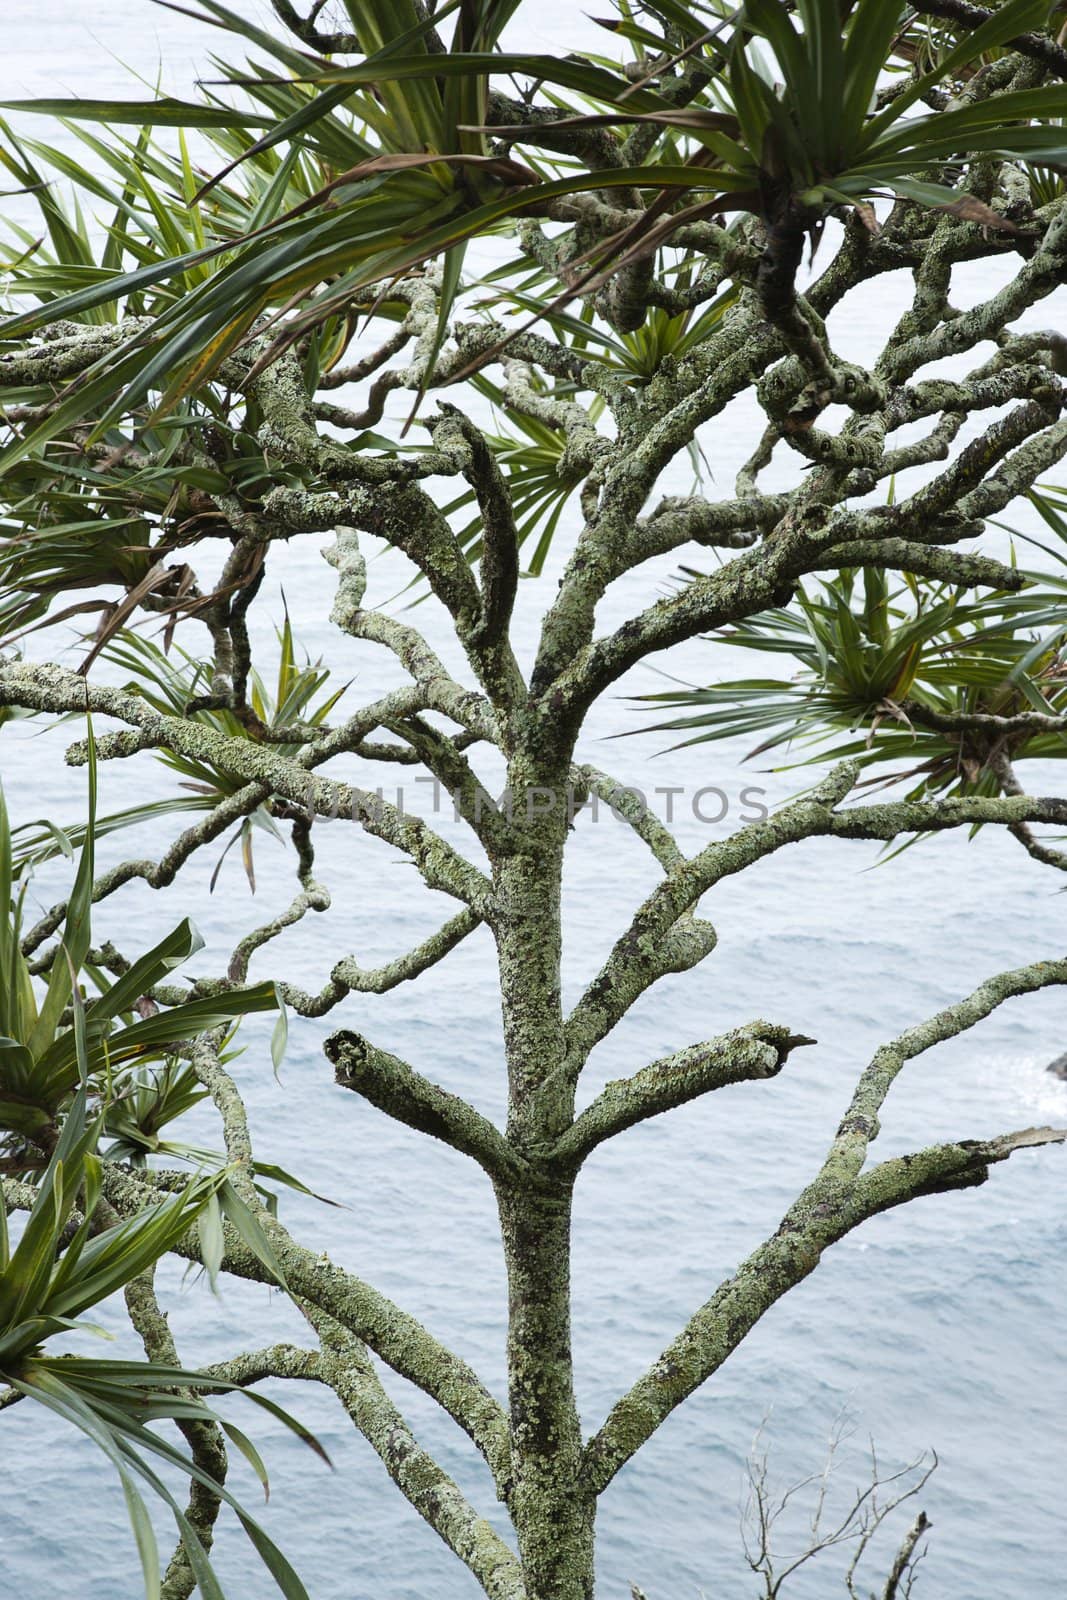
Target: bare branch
(1002, 766)
(903, 1568)
(855, 1522)
(722, 524)
(440, 690)
(312, 897)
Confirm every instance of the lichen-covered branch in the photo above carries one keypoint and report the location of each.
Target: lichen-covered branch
(605, 412)
(348, 977)
(839, 1199)
(642, 953)
(52, 689)
(398, 1338)
(404, 1094)
(343, 1365)
(204, 1439)
(758, 1050)
(440, 690)
(312, 897)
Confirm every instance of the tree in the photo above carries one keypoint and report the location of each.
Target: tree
(167, 387)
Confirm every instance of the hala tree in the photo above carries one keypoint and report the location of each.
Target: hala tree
(167, 378)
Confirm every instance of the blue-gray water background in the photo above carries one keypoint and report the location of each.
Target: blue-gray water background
(939, 1326)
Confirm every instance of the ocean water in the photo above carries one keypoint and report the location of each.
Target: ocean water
(940, 1326)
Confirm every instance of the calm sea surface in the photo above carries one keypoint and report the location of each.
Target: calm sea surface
(940, 1326)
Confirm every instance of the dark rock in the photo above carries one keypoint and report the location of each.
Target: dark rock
(1058, 1067)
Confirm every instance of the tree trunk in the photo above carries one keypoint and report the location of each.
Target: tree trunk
(552, 1516)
